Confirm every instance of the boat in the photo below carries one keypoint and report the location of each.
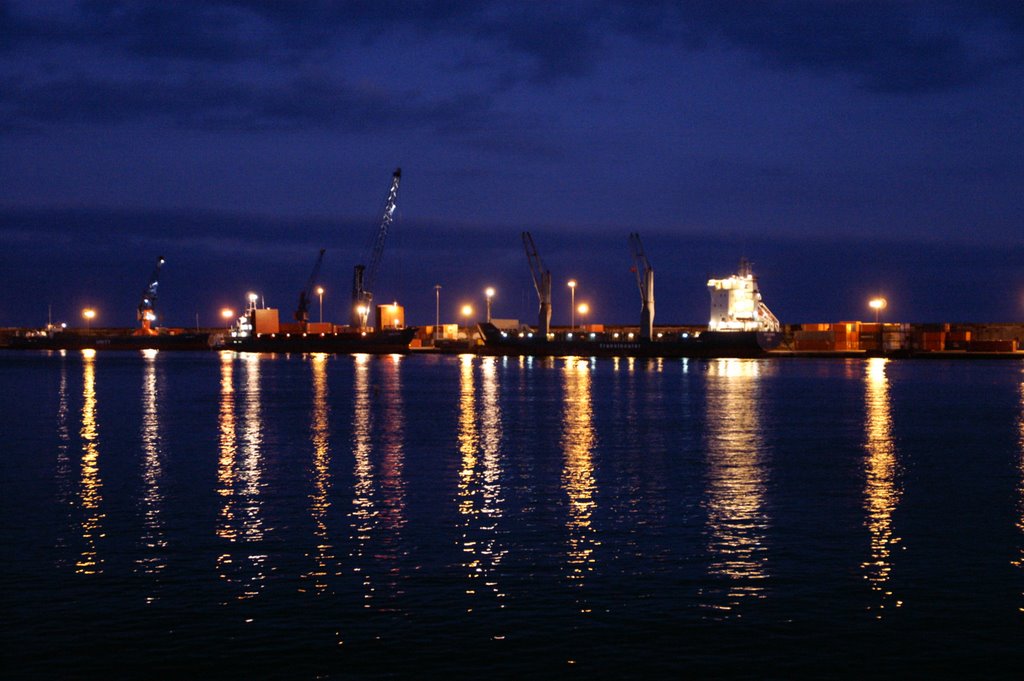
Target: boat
(108, 339)
(375, 342)
(260, 330)
(741, 325)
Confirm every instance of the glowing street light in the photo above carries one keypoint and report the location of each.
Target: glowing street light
(227, 313)
(320, 292)
(89, 314)
(877, 304)
(583, 309)
(467, 312)
(572, 303)
(489, 293)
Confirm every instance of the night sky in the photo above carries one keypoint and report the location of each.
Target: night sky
(848, 149)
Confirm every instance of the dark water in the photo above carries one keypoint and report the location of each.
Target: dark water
(291, 517)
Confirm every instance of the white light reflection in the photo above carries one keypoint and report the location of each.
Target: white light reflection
(378, 500)
(90, 494)
(153, 540)
(319, 500)
(578, 440)
(392, 480)
(239, 480)
(363, 517)
(737, 520)
(479, 488)
(881, 493)
(65, 493)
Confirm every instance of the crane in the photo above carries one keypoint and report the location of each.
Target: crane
(147, 304)
(645, 282)
(541, 282)
(364, 276)
(302, 312)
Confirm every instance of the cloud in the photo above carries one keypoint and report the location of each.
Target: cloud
(886, 48)
(210, 103)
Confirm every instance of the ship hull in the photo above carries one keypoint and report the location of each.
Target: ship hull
(371, 342)
(120, 342)
(710, 344)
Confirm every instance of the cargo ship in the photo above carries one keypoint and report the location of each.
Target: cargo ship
(741, 325)
(260, 330)
(384, 341)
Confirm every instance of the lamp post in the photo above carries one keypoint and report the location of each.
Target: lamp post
(489, 293)
(89, 314)
(227, 314)
(320, 292)
(572, 303)
(437, 313)
(583, 310)
(878, 304)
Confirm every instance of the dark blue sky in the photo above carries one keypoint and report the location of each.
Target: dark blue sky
(847, 148)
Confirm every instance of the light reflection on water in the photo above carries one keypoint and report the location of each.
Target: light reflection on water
(154, 543)
(319, 499)
(480, 501)
(239, 478)
(737, 474)
(881, 492)
(363, 518)
(578, 440)
(91, 490)
(63, 472)
(377, 517)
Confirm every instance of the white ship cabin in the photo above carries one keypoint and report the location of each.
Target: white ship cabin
(736, 304)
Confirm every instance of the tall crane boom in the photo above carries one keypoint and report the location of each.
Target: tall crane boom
(645, 282)
(146, 312)
(541, 282)
(365, 276)
(302, 312)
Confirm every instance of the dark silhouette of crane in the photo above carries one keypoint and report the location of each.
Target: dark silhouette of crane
(645, 282)
(146, 311)
(541, 282)
(365, 276)
(302, 312)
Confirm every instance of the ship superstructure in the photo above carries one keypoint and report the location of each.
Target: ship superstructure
(736, 304)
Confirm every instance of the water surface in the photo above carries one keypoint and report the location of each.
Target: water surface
(237, 515)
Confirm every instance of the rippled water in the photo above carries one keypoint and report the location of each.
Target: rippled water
(244, 515)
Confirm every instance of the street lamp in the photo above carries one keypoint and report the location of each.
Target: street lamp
(572, 303)
(583, 309)
(320, 292)
(877, 304)
(89, 314)
(489, 293)
(467, 312)
(227, 313)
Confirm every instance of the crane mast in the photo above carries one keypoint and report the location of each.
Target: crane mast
(365, 275)
(302, 312)
(645, 282)
(146, 312)
(541, 282)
